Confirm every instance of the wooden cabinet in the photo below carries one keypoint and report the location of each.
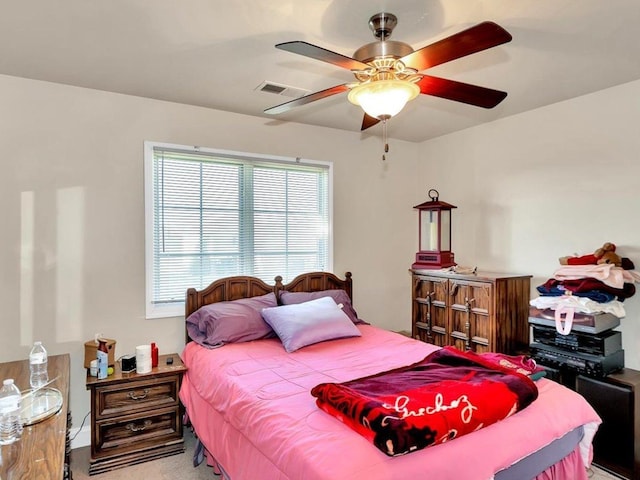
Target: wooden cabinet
(616, 398)
(43, 451)
(136, 417)
(483, 312)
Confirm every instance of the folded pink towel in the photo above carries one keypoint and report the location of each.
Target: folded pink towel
(608, 274)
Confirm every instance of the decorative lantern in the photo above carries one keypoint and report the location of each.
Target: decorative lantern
(435, 234)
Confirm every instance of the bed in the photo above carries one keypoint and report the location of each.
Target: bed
(250, 406)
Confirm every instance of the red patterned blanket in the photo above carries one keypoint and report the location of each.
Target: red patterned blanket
(444, 396)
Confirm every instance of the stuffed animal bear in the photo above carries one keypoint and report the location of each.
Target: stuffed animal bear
(605, 254)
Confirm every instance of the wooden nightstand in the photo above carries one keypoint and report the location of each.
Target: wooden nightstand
(135, 417)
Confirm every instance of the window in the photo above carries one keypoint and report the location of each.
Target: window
(212, 214)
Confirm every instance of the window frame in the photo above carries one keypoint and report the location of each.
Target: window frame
(174, 309)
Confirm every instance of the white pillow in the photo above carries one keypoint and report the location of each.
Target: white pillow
(310, 322)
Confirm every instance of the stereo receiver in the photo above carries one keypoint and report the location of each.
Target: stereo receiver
(583, 363)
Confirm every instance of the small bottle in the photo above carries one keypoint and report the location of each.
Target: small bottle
(154, 355)
(10, 423)
(103, 359)
(38, 366)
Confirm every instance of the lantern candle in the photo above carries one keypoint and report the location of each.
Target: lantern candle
(433, 239)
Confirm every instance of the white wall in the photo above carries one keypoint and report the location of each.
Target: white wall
(552, 182)
(71, 196)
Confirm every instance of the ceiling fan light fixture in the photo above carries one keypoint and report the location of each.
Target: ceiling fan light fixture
(382, 99)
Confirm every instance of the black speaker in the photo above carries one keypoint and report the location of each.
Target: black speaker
(614, 442)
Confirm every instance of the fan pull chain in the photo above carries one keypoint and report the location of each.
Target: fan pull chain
(384, 139)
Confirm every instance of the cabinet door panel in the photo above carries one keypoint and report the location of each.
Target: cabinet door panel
(421, 325)
(459, 331)
(482, 328)
(439, 312)
(430, 310)
(477, 294)
(460, 300)
(439, 329)
(421, 309)
(479, 346)
(459, 343)
(470, 314)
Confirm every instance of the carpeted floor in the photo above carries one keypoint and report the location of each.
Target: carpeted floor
(180, 467)
(174, 467)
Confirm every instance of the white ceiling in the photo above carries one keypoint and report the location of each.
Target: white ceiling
(215, 53)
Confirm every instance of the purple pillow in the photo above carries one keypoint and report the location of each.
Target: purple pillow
(231, 322)
(303, 324)
(339, 296)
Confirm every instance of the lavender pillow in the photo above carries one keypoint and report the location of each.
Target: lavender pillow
(303, 324)
(231, 322)
(340, 297)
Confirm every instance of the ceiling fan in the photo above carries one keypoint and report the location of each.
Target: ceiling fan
(387, 72)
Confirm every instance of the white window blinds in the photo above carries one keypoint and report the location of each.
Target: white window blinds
(217, 214)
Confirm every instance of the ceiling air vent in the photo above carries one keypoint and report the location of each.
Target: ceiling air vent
(283, 90)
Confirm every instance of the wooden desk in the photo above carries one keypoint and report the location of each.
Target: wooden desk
(43, 450)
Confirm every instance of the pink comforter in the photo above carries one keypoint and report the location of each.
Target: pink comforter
(264, 423)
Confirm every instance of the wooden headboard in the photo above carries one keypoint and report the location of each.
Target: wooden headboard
(234, 288)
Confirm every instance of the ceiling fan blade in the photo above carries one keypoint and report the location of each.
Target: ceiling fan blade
(312, 97)
(368, 121)
(461, 92)
(475, 39)
(319, 53)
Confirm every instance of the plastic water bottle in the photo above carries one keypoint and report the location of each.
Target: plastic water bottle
(10, 423)
(38, 366)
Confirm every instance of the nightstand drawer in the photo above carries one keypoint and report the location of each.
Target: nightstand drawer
(126, 434)
(135, 396)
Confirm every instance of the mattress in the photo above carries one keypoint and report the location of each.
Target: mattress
(250, 405)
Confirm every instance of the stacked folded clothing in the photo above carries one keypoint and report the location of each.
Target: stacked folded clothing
(581, 287)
